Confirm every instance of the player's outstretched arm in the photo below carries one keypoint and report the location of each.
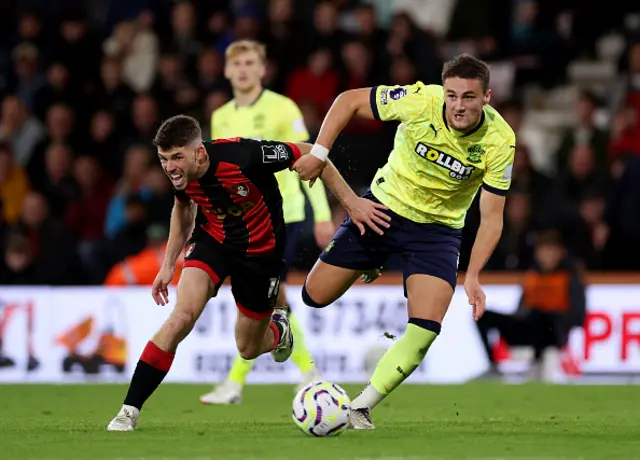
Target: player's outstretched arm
(180, 227)
(344, 108)
(362, 211)
(491, 215)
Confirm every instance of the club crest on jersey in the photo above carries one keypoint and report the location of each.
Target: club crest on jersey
(457, 170)
(475, 154)
(274, 152)
(240, 189)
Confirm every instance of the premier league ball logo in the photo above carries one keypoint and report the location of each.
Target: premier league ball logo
(397, 93)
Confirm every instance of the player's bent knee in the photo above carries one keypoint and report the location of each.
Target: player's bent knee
(308, 300)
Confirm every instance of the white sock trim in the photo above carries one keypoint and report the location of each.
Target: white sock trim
(368, 398)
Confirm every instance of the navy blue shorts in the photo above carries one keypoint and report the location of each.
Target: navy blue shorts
(427, 249)
(294, 232)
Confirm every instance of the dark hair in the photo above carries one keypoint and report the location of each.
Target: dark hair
(467, 67)
(550, 237)
(177, 131)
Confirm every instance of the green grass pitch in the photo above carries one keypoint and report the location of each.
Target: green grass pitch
(473, 421)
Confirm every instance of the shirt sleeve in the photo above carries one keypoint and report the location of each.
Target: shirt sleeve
(497, 176)
(293, 126)
(271, 156)
(401, 103)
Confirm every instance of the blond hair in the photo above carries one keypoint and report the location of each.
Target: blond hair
(242, 46)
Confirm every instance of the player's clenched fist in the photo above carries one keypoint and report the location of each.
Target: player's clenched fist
(160, 289)
(309, 167)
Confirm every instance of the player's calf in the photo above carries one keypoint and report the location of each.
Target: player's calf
(327, 283)
(194, 290)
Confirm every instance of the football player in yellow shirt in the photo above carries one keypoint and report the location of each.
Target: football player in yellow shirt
(449, 144)
(256, 112)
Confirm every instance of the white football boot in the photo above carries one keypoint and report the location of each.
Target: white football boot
(228, 392)
(126, 420)
(284, 348)
(360, 419)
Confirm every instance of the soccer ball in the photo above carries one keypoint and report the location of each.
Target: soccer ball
(322, 409)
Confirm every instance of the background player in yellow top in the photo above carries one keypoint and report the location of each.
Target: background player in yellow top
(261, 114)
(449, 143)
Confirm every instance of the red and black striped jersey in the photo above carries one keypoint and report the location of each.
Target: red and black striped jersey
(239, 203)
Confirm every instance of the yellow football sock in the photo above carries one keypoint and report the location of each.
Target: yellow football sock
(240, 369)
(300, 356)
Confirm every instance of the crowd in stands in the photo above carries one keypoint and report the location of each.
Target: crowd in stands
(85, 84)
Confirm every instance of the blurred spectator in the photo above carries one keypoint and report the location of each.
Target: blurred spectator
(406, 39)
(581, 176)
(86, 215)
(59, 186)
(210, 72)
(184, 38)
(589, 233)
(103, 142)
(14, 185)
(158, 195)
(141, 268)
(78, 49)
(623, 246)
(132, 237)
(145, 119)
(516, 246)
(57, 90)
(136, 165)
(60, 125)
(325, 32)
(18, 267)
(29, 79)
(584, 132)
(20, 128)
(317, 82)
(112, 92)
(553, 302)
(53, 249)
(137, 49)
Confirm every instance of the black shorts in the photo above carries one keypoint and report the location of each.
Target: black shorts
(429, 249)
(255, 281)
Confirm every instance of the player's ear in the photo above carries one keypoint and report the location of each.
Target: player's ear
(487, 96)
(201, 155)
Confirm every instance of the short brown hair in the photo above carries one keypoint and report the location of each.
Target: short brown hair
(243, 46)
(467, 67)
(178, 131)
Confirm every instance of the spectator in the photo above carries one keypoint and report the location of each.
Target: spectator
(141, 268)
(317, 82)
(137, 49)
(53, 249)
(59, 186)
(20, 128)
(86, 215)
(18, 267)
(584, 132)
(14, 186)
(29, 79)
(112, 92)
(57, 90)
(553, 302)
(136, 165)
(132, 237)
